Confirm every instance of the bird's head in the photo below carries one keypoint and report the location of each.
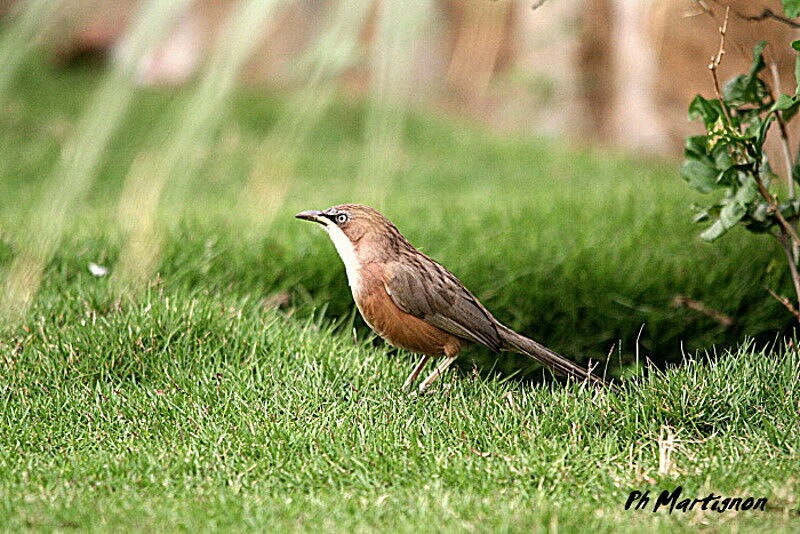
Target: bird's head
(354, 222)
(359, 233)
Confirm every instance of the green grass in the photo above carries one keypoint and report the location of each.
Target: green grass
(198, 407)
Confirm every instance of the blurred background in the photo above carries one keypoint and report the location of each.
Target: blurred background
(167, 143)
(618, 72)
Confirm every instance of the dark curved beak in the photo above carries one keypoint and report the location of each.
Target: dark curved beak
(310, 215)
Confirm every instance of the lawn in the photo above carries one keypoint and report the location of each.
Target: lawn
(239, 390)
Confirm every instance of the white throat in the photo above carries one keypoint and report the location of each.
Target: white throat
(348, 254)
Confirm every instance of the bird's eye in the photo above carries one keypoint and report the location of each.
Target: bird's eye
(341, 218)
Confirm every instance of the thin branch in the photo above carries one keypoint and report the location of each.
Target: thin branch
(716, 60)
(767, 13)
(787, 151)
(775, 208)
(787, 304)
(705, 9)
(792, 265)
(696, 305)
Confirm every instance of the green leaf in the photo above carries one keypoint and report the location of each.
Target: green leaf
(791, 8)
(721, 156)
(735, 209)
(745, 90)
(758, 62)
(695, 144)
(704, 215)
(699, 169)
(790, 209)
(729, 178)
(789, 114)
(787, 106)
(748, 88)
(753, 128)
(784, 102)
(762, 131)
(761, 212)
(714, 232)
(699, 176)
(707, 110)
(759, 218)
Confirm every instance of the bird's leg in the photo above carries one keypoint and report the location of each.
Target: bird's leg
(439, 370)
(415, 373)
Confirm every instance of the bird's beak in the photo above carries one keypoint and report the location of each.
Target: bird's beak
(310, 215)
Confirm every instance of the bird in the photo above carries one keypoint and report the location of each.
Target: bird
(414, 303)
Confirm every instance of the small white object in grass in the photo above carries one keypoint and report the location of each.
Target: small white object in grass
(97, 270)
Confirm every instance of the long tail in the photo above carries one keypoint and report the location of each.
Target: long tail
(523, 345)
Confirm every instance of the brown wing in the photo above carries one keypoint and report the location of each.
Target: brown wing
(427, 290)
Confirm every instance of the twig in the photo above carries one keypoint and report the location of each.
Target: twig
(792, 266)
(765, 14)
(787, 304)
(710, 12)
(775, 208)
(714, 65)
(787, 151)
(699, 307)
